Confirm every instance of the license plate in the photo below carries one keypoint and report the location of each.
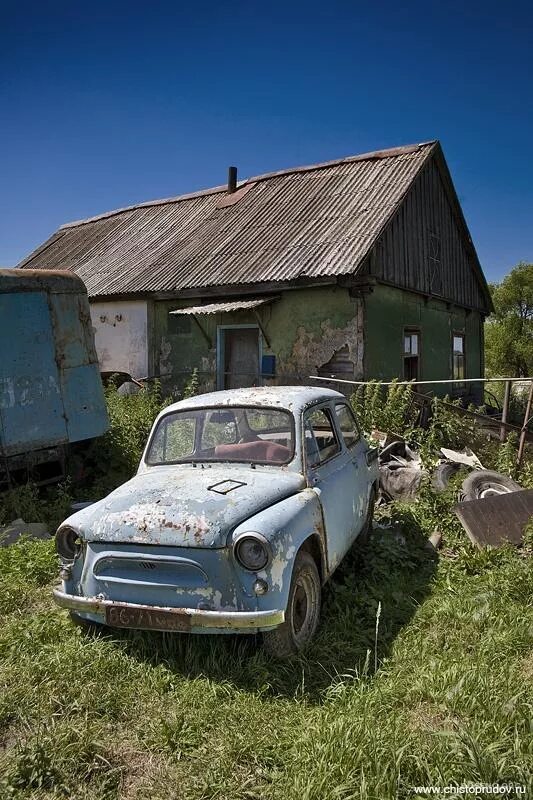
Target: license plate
(147, 618)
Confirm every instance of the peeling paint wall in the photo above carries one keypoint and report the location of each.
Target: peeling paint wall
(121, 334)
(305, 328)
(313, 349)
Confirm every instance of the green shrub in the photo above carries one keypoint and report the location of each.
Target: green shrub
(114, 458)
(387, 408)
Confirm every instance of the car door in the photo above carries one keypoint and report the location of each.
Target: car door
(331, 474)
(352, 439)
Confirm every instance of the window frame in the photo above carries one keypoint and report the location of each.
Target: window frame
(343, 404)
(330, 416)
(459, 384)
(412, 330)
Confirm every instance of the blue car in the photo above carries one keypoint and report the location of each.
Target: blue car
(244, 504)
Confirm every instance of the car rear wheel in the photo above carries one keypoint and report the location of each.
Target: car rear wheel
(303, 610)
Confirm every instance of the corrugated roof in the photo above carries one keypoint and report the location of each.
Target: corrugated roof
(308, 222)
(217, 308)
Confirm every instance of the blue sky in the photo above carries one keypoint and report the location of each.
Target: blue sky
(107, 104)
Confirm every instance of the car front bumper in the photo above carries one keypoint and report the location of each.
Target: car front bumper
(186, 619)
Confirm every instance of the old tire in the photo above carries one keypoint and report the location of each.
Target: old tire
(483, 483)
(444, 473)
(303, 610)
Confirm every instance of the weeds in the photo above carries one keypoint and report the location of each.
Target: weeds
(418, 674)
(387, 409)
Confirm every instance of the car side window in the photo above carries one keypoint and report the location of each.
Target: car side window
(320, 439)
(347, 424)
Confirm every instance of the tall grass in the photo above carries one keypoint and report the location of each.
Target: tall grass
(421, 672)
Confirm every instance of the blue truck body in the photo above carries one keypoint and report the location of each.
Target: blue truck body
(51, 393)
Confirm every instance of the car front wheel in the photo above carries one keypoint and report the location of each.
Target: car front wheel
(303, 610)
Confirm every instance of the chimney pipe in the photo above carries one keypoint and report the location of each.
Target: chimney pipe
(232, 179)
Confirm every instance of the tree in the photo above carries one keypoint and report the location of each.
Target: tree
(509, 330)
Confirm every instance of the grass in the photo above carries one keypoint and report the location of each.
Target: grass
(154, 715)
(421, 672)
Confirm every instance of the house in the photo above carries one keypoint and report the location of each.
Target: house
(360, 268)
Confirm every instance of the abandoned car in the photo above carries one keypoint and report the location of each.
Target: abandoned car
(244, 503)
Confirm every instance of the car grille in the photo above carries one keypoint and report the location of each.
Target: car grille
(163, 571)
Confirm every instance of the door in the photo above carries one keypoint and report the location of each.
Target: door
(31, 407)
(332, 475)
(352, 439)
(240, 357)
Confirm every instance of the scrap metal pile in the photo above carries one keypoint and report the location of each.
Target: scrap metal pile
(492, 507)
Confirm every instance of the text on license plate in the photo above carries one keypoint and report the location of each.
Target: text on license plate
(147, 619)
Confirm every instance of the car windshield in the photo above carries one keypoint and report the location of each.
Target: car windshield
(253, 435)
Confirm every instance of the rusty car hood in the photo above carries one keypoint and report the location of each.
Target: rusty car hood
(184, 506)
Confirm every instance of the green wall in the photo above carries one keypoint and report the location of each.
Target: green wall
(388, 311)
(304, 328)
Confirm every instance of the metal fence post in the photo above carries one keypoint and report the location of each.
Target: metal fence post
(505, 410)
(527, 417)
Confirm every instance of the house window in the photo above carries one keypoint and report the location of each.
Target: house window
(411, 354)
(179, 325)
(459, 364)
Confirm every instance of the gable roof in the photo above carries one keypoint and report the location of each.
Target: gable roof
(309, 222)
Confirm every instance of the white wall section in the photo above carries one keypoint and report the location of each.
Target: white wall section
(121, 336)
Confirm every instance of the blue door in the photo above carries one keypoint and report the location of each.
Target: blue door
(352, 440)
(31, 408)
(332, 474)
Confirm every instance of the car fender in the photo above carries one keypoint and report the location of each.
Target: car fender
(287, 525)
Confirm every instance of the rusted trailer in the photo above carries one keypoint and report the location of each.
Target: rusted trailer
(51, 393)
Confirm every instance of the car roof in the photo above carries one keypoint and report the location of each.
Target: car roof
(292, 398)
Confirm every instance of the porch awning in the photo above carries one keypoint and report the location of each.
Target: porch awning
(217, 308)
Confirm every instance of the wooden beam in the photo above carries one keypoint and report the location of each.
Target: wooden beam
(204, 333)
(265, 337)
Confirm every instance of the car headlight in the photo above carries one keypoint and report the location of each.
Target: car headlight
(68, 543)
(252, 551)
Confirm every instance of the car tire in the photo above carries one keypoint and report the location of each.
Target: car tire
(483, 483)
(303, 610)
(444, 473)
(364, 535)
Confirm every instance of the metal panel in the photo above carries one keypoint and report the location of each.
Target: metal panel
(31, 407)
(218, 308)
(50, 387)
(310, 222)
(85, 408)
(495, 520)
